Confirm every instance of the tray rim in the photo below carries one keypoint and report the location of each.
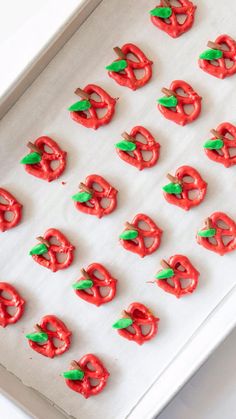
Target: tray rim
(224, 314)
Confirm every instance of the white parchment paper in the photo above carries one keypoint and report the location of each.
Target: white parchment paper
(42, 111)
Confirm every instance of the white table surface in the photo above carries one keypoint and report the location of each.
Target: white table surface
(211, 393)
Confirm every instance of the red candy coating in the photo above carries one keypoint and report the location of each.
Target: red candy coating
(142, 317)
(44, 169)
(91, 119)
(216, 244)
(95, 295)
(172, 25)
(221, 70)
(65, 247)
(183, 200)
(223, 155)
(137, 157)
(15, 301)
(8, 203)
(175, 285)
(55, 329)
(127, 77)
(95, 206)
(138, 245)
(179, 114)
(99, 373)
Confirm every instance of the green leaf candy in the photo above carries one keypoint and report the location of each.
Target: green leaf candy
(211, 54)
(126, 145)
(39, 337)
(163, 12)
(83, 284)
(122, 323)
(168, 101)
(82, 197)
(129, 235)
(75, 374)
(39, 249)
(31, 158)
(117, 66)
(165, 273)
(172, 188)
(210, 232)
(82, 105)
(214, 144)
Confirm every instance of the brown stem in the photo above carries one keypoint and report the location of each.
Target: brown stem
(214, 45)
(125, 314)
(168, 92)
(79, 92)
(43, 241)
(38, 328)
(165, 264)
(173, 179)
(130, 226)
(208, 223)
(85, 273)
(85, 188)
(217, 134)
(166, 3)
(120, 53)
(74, 365)
(127, 137)
(34, 148)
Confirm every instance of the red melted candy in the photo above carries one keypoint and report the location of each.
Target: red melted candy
(14, 300)
(8, 203)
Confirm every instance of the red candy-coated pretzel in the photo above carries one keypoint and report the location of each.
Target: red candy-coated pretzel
(138, 244)
(95, 205)
(127, 77)
(171, 25)
(105, 279)
(11, 205)
(91, 119)
(15, 301)
(175, 285)
(221, 70)
(216, 244)
(137, 157)
(183, 200)
(44, 169)
(142, 317)
(223, 155)
(55, 329)
(85, 386)
(178, 113)
(65, 247)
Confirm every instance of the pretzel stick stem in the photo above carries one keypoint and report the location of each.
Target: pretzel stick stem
(168, 92)
(214, 45)
(85, 188)
(165, 264)
(43, 241)
(217, 134)
(119, 53)
(79, 92)
(34, 148)
(127, 137)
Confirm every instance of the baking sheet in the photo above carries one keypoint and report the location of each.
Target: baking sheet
(42, 111)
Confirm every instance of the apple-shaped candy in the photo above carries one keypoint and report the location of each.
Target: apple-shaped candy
(87, 111)
(174, 104)
(176, 271)
(218, 234)
(39, 162)
(96, 196)
(178, 191)
(94, 280)
(9, 204)
(124, 69)
(6, 304)
(215, 60)
(222, 147)
(135, 237)
(46, 253)
(48, 332)
(137, 324)
(82, 373)
(167, 16)
(132, 150)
